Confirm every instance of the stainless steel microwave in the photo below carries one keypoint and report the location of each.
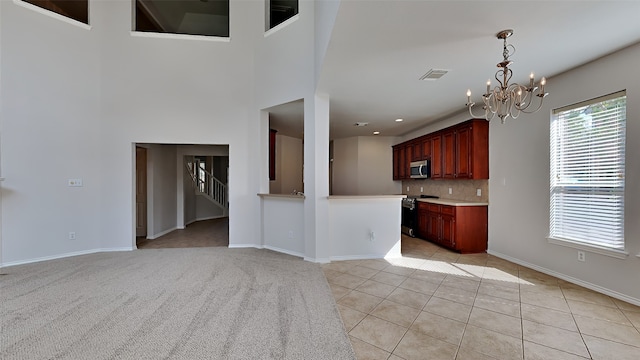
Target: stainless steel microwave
(420, 169)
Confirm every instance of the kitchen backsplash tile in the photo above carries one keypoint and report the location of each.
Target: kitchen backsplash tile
(460, 189)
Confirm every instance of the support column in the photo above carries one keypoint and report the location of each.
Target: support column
(316, 178)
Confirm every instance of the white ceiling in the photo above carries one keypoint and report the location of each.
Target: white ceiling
(380, 48)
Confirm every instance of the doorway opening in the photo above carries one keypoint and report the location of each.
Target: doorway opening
(181, 195)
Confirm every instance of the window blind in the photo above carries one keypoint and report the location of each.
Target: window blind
(587, 172)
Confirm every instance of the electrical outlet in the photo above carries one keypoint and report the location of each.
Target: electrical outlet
(478, 192)
(450, 191)
(372, 236)
(290, 234)
(407, 189)
(72, 235)
(581, 256)
(421, 189)
(74, 182)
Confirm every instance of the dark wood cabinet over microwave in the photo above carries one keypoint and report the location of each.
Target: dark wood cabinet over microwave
(457, 152)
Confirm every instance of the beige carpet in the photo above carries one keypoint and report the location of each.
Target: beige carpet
(197, 303)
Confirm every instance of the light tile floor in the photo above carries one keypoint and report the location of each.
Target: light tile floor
(436, 304)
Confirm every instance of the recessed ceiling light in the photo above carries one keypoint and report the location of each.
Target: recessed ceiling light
(399, 120)
(376, 133)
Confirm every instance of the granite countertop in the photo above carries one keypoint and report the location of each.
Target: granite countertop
(453, 202)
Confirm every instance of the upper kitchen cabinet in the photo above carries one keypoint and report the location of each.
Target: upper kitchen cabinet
(457, 152)
(461, 151)
(416, 150)
(472, 150)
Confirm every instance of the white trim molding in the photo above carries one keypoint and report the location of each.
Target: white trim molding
(65, 255)
(618, 254)
(173, 36)
(570, 279)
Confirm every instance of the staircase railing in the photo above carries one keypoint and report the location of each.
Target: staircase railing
(208, 185)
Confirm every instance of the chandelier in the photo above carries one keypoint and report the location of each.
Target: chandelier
(508, 100)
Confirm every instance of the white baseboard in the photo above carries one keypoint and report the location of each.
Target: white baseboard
(65, 255)
(243, 246)
(284, 251)
(588, 285)
(356, 257)
(155, 236)
(317, 260)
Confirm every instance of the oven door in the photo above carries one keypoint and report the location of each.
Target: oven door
(409, 220)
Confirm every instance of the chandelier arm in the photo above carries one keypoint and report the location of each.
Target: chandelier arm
(538, 108)
(474, 115)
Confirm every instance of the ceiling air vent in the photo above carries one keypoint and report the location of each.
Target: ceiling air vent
(361, 124)
(434, 74)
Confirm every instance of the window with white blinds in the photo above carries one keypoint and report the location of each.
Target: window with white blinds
(587, 172)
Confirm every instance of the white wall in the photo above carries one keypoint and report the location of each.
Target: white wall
(362, 165)
(289, 162)
(84, 96)
(75, 100)
(206, 210)
(50, 133)
(519, 159)
(345, 166)
(372, 230)
(163, 186)
(283, 225)
(375, 166)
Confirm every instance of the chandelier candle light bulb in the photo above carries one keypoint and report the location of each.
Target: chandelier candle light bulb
(508, 100)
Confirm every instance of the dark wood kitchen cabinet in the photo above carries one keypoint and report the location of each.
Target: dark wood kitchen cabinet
(425, 144)
(416, 150)
(402, 154)
(436, 157)
(449, 154)
(457, 152)
(472, 150)
(460, 228)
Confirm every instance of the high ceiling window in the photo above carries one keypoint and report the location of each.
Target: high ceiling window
(74, 9)
(588, 172)
(191, 17)
(280, 11)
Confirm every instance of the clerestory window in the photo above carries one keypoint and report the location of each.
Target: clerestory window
(74, 9)
(189, 17)
(279, 11)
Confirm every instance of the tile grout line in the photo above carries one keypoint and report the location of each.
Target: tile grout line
(575, 322)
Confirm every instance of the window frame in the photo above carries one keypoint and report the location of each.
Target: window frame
(559, 186)
(57, 16)
(176, 35)
(269, 28)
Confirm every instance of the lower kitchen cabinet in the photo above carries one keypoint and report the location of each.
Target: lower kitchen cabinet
(460, 228)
